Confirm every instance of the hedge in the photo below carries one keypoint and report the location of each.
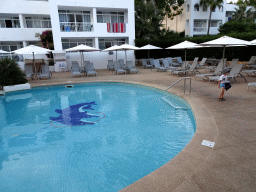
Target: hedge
(242, 53)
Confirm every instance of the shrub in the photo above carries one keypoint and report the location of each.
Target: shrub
(10, 73)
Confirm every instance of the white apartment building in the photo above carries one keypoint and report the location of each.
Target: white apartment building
(97, 23)
(194, 18)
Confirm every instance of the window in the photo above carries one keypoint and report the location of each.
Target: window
(9, 22)
(199, 26)
(188, 7)
(106, 43)
(215, 23)
(205, 8)
(221, 8)
(75, 21)
(10, 46)
(38, 22)
(68, 43)
(110, 17)
(196, 7)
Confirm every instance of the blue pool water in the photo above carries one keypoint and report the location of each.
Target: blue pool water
(92, 137)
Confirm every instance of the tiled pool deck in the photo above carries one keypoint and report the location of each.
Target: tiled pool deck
(229, 166)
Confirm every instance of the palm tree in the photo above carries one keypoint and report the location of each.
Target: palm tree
(212, 4)
(244, 14)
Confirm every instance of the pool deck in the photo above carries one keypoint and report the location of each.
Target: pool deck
(229, 166)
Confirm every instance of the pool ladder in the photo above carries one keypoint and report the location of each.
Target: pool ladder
(185, 78)
(171, 104)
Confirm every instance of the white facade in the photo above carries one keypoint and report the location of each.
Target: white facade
(72, 22)
(194, 19)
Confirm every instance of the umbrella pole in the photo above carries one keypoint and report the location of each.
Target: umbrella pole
(34, 63)
(125, 57)
(148, 53)
(185, 62)
(223, 57)
(116, 55)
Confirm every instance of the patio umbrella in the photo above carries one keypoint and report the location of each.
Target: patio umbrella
(126, 47)
(113, 48)
(32, 49)
(148, 47)
(253, 42)
(4, 52)
(185, 45)
(81, 48)
(224, 42)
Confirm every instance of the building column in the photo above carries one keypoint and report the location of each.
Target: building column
(21, 21)
(25, 43)
(96, 42)
(94, 15)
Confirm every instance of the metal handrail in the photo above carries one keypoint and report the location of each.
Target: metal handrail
(184, 84)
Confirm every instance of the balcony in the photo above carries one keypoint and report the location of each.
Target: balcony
(76, 27)
(200, 29)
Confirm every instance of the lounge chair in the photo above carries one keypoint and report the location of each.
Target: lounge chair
(110, 65)
(166, 63)
(172, 69)
(45, 72)
(217, 72)
(90, 70)
(252, 62)
(118, 68)
(192, 68)
(212, 68)
(130, 67)
(29, 71)
(145, 64)
(171, 63)
(232, 64)
(75, 70)
(179, 60)
(201, 64)
(158, 66)
(252, 84)
(234, 73)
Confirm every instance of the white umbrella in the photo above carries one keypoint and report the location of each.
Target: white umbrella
(224, 42)
(113, 48)
(127, 47)
(81, 48)
(4, 52)
(32, 49)
(148, 47)
(253, 42)
(185, 45)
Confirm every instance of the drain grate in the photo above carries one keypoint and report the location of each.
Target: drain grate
(69, 86)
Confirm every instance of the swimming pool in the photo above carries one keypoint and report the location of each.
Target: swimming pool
(89, 137)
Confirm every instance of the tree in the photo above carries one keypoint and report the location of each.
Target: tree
(11, 73)
(237, 27)
(212, 4)
(244, 14)
(147, 20)
(46, 39)
(171, 7)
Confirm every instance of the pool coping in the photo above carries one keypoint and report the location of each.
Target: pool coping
(175, 174)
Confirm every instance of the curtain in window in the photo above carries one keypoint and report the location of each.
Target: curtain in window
(29, 23)
(87, 18)
(63, 17)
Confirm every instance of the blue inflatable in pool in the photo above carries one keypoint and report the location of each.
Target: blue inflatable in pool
(73, 115)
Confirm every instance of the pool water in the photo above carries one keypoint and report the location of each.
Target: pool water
(91, 137)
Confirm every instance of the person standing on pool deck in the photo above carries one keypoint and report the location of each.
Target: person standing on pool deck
(221, 84)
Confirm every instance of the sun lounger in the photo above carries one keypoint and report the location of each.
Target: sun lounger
(118, 68)
(201, 64)
(75, 70)
(29, 71)
(234, 73)
(252, 62)
(45, 72)
(171, 63)
(110, 65)
(145, 64)
(90, 70)
(158, 66)
(252, 84)
(217, 71)
(130, 67)
(192, 68)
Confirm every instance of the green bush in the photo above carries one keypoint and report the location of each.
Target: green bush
(10, 73)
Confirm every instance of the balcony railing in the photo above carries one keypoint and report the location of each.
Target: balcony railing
(200, 29)
(76, 27)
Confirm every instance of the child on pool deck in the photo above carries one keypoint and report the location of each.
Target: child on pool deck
(221, 84)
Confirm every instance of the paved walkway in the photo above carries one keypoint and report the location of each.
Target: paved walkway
(229, 166)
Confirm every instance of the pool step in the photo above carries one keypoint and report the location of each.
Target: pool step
(2, 92)
(172, 104)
